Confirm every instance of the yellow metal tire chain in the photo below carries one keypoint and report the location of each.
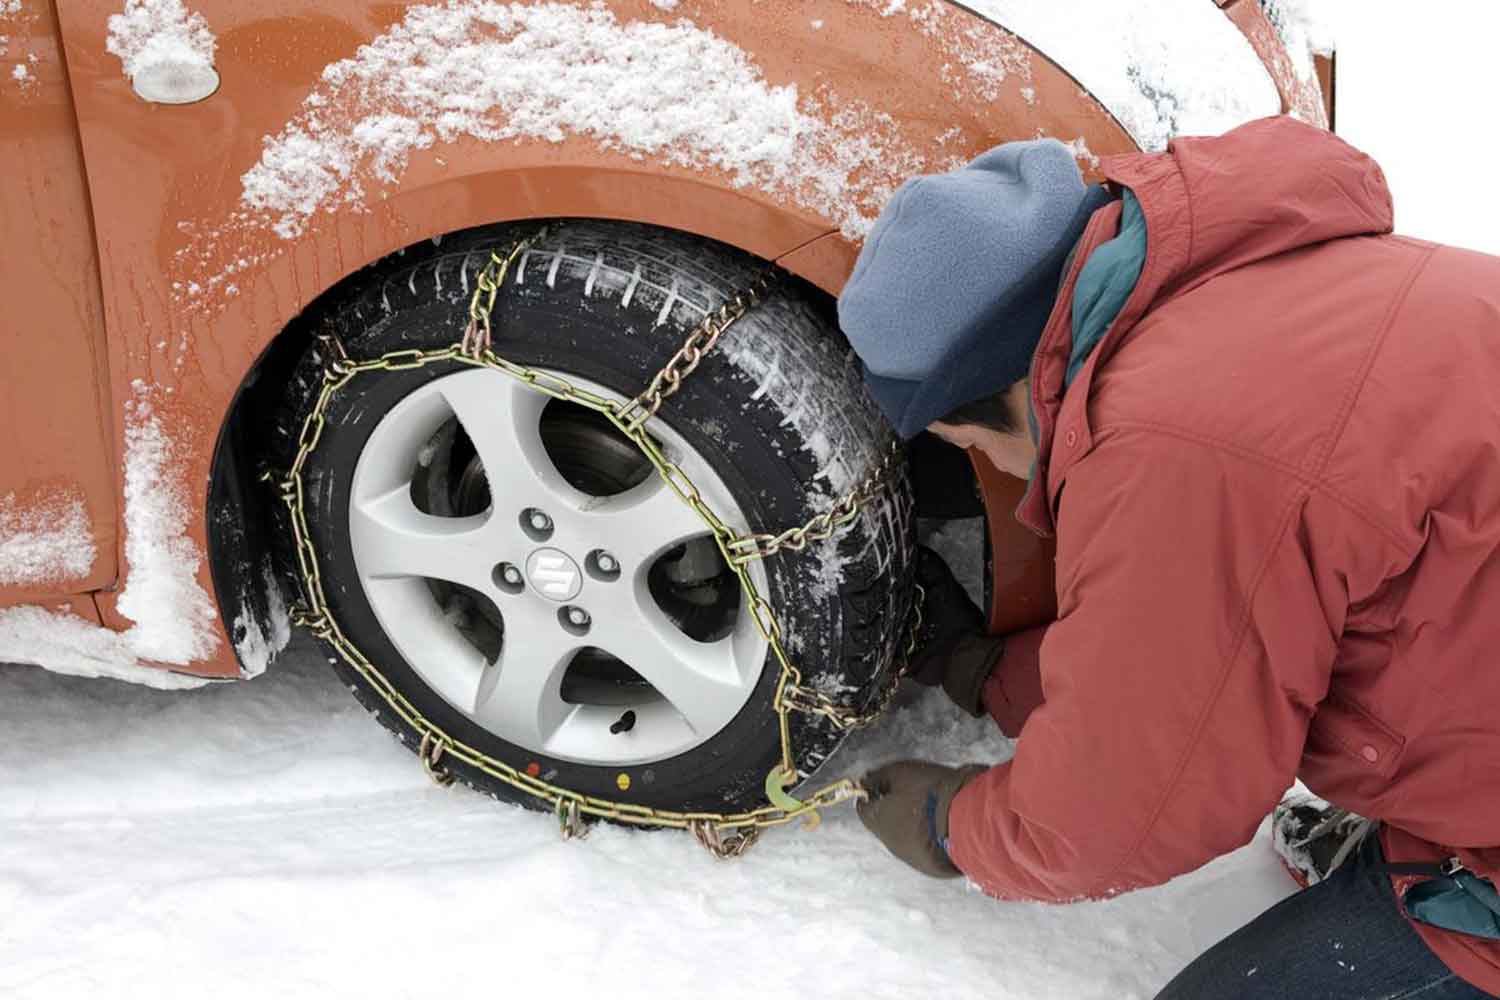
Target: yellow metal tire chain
(725, 834)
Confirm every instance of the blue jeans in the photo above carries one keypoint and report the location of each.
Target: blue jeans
(1342, 939)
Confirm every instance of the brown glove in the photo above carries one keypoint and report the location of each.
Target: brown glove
(907, 809)
(952, 649)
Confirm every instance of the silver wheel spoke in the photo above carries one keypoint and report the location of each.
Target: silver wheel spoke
(702, 680)
(503, 419)
(394, 538)
(645, 521)
(520, 694)
(447, 662)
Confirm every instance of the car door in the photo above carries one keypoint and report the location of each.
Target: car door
(58, 507)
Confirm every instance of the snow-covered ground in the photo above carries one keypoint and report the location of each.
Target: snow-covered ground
(266, 839)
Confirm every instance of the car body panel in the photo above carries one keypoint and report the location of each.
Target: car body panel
(55, 429)
(195, 284)
(1022, 591)
(1301, 94)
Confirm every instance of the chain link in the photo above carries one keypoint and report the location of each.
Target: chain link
(725, 834)
(812, 702)
(845, 511)
(431, 753)
(476, 339)
(690, 354)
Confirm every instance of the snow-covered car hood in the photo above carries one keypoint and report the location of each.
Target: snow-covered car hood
(1161, 67)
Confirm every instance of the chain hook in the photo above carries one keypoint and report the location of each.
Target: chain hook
(720, 844)
(431, 752)
(570, 821)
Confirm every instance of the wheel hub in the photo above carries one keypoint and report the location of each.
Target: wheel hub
(554, 574)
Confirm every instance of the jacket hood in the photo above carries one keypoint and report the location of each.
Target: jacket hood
(1211, 205)
(1266, 188)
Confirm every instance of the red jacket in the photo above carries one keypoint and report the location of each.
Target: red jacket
(1276, 494)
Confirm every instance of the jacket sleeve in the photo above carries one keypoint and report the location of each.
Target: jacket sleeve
(1014, 688)
(1190, 645)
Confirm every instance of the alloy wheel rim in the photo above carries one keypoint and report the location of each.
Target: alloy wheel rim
(571, 578)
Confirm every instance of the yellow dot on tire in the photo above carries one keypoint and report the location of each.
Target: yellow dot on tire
(622, 781)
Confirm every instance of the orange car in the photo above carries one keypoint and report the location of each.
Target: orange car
(247, 240)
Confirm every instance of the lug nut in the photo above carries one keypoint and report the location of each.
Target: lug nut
(574, 619)
(602, 566)
(507, 577)
(537, 524)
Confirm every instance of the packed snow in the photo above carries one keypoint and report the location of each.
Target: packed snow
(46, 540)
(174, 617)
(675, 93)
(267, 838)
(1161, 67)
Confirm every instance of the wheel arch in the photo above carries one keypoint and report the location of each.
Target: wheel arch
(242, 502)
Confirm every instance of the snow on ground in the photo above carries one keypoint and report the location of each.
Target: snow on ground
(267, 838)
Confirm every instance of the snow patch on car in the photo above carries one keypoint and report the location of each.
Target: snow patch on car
(174, 618)
(258, 642)
(1162, 67)
(15, 17)
(1081, 152)
(979, 57)
(160, 36)
(65, 643)
(676, 93)
(1306, 30)
(48, 540)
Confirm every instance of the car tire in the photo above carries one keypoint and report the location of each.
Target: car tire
(777, 414)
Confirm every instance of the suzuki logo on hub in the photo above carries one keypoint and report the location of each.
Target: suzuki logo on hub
(554, 574)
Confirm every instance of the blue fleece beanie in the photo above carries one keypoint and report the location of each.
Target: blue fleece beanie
(949, 296)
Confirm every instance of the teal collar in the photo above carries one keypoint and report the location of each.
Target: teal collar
(1106, 281)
